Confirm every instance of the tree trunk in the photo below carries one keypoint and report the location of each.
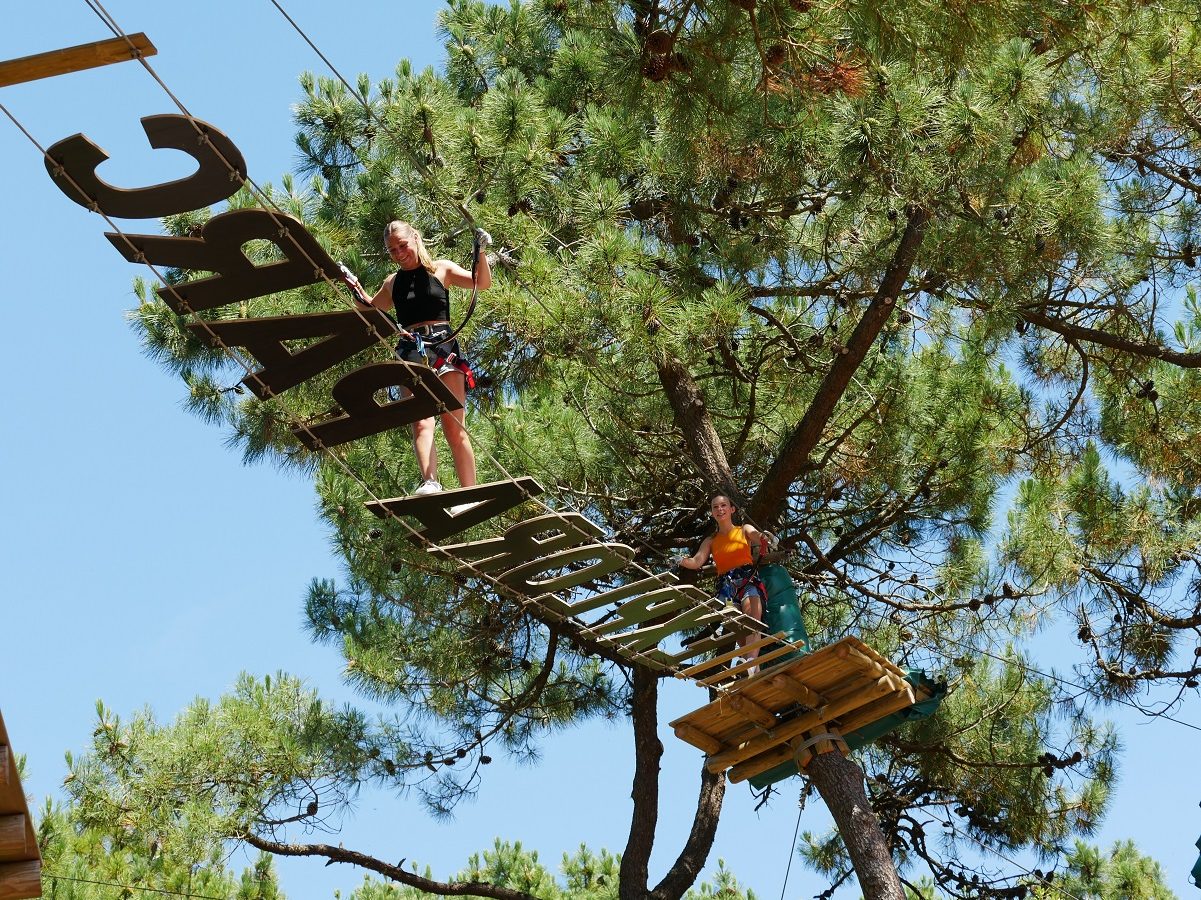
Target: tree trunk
(705, 447)
(840, 782)
(793, 456)
(635, 861)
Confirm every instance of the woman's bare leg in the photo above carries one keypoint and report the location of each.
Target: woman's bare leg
(457, 437)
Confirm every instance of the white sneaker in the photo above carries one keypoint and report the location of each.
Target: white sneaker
(463, 507)
(429, 486)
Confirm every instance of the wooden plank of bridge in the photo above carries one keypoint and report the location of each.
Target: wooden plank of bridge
(20, 880)
(74, 59)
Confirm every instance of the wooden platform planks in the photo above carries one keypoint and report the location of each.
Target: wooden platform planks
(20, 859)
(756, 722)
(74, 59)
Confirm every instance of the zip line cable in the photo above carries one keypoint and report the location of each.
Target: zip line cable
(526, 603)
(734, 617)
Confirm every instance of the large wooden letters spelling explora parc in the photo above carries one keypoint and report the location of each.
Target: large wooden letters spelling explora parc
(546, 561)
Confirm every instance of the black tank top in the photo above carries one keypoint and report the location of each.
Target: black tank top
(419, 297)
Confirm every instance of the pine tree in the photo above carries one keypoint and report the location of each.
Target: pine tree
(912, 284)
(84, 862)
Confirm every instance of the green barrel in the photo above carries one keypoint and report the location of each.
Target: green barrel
(783, 612)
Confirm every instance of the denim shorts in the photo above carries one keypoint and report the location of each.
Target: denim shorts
(442, 357)
(736, 584)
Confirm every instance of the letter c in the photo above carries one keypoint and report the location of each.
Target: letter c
(76, 158)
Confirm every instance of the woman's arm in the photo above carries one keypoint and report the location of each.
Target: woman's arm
(383, 297)
(758, 542)
(452, 274)
(699, 558)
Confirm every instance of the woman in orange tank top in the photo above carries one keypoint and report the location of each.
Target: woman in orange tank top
(733, 550)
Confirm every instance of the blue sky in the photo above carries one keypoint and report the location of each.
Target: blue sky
(147, 566)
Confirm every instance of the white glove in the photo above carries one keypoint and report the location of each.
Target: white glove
(483, 238)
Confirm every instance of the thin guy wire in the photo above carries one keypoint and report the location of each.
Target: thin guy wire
(792, 847)
(1052, 677)
(132, 887)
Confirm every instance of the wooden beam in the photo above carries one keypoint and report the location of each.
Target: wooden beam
(12, 838)
(698, 738)
(752, 711)
(747, 664)
(797, 690)
(20, 881)
(729, 655)
(3, 764)
(74, 59)
(860, 660)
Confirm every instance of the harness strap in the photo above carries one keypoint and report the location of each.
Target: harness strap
(475, 290)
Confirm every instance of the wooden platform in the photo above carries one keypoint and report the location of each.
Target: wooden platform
(20, 859)
(760, 722)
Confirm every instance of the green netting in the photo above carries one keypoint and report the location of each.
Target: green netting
(783, 612)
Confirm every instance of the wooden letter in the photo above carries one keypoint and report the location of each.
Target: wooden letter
(76, 158)
(523, 542)
(633, 589)
(608, 559)
(219, 249)
(355, 393)
(653, 605)
(643, 638)
(344, 333)
(433, 510)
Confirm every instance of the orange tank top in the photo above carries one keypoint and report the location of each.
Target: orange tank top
(730, 550)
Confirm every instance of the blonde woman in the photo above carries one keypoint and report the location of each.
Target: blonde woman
(419, 294)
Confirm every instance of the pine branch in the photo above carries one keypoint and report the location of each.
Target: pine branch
(1112, 341)
(691, 860)
(395, 873)
(793, 458)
